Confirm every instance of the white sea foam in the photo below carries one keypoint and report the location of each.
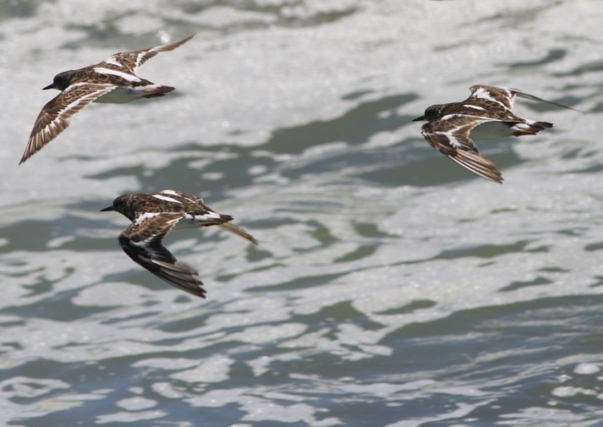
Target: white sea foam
(386, 276)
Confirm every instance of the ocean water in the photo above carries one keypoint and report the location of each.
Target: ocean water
(391, 287)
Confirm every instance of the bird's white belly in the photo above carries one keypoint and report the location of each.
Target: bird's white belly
(121, 95)
(491, 130)
(187, 222)
(195, 221)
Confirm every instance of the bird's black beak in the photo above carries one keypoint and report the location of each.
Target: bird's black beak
(419, 119)
(110, 208)
(50, 86)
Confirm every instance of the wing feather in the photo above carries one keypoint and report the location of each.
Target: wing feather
(142, 242)
(55, 115)
(451, 138)
(134, 60)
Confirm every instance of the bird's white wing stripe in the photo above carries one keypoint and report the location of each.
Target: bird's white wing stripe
(112, 60)
(451, 139)
(146, 216)
(181, 196)
(449, 116)
(108, 71)
(484, 94)
(140, 58)
(166, 198)
(74, 85)
(209, 214)
(464, 116)
(475, 107)
(73, 104)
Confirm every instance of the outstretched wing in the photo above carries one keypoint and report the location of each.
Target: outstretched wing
(478, 165)
(498, 95)
(142, 241)
(450, 135)
(134, 60)
(536, 98)
(54, 117)
(505, 96)
(452, 131)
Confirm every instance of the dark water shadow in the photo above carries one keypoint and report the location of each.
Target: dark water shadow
(354, 128)
(538, 281)
(552, 55)
(18, 9)
(40, 232)
(505, 341)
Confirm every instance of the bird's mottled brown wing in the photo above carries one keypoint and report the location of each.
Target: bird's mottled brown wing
(498, 95)
(450, 136)
(478, 165)
(506, 96)
(54, 117)
(134, 60)
(453, 132)
(142, 241)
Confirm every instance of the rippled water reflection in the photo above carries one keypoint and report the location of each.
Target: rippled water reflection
(391, 287)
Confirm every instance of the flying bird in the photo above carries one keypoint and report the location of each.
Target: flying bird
(487, 113)
(112, 81)
(156, 214)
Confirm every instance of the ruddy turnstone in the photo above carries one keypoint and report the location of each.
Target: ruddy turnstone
(486, 113)
(112, 81)
(153, 216)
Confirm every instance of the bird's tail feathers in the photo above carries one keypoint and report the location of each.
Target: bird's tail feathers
(155, 91)
(530, 127)
(215, 218)
(229, 226)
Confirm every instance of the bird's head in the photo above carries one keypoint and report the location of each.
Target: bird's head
(431, 113)
(123, 205)
(60, 81)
